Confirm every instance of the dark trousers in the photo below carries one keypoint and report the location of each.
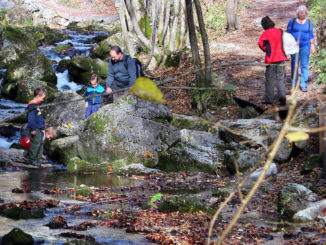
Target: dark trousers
(91, 109)
(275, 74)
(36, 150)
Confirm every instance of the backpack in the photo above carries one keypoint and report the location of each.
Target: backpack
(289, 44)
(139, 66)
(24, 131)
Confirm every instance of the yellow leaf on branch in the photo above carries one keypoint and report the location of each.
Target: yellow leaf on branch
(146, 89)
(297, 136)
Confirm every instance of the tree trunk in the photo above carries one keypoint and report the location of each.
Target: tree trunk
(173, 38)
(183, 25)
(231, 15)
(194, 44)
(124, 27)
(204, 37)
(134, 21)
(154, 28)
(160, 27)
(166, 24)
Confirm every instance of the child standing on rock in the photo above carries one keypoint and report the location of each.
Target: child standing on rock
(36, 126)
(93, 104)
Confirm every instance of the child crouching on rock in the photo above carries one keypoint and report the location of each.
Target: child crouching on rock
(49, 134)
(93, 104)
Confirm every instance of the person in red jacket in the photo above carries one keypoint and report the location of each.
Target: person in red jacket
(271, 43)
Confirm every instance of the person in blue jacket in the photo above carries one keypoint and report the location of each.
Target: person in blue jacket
(301, 29)
(93, 104)
(36, 126)
(122, 72)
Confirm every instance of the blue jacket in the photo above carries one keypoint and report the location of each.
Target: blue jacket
(119, 76)
(94, 91)
(306, 30)
(34, 117)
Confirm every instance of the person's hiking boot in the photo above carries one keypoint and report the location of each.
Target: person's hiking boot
(304, 89)
(36, 163)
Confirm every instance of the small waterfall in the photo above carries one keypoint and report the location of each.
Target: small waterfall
(64, 84)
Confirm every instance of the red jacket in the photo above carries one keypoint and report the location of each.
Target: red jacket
(271, 43)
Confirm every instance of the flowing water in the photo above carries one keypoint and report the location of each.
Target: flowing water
(40, 179)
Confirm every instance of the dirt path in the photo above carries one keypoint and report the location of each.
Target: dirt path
(251, 79)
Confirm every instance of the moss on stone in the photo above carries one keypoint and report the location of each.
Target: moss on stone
(77, 165)
(185, 204)
(83, 191)
(220, 193)
(62, 48)
(96, 123)
(17, 36)
(17, 236)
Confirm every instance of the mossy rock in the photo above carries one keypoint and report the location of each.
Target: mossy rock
(77, 165)
(185, 204)
(63, 65)
(220, 193)
(74, 27)
(17, 236)
(16, 35)
(83, 191)
(173, 59)
(20, 213)
(60, 49)
(314, 161)
(194, 123)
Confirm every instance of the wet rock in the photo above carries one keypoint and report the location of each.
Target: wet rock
(81, 69)
(17, 236)
(311, 213)
(245, 159)
(136, 169)
(293, 198)
(182, 204)
(197, 151)
(71, 209)
(257, 132)
(63, 149)
(314, 161)
(58, 222)
(77, 165)
(131, 129)
(21, 213)
(80, 242)
(17, 190)
(291, 235)
(67, 118)
(11, 155)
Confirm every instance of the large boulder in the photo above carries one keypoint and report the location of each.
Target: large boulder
(311, 212)
(11, 155)
(31, 70)
(245, 159)
(67, 118)
(81, 68)
(19, 16)
(256, 132)
(196, 151)
(63, 149)
(130, 129)
(115, 39)
(13, 42)
(293, 198)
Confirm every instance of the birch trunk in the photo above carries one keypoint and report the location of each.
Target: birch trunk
(122, 11)
(166, 24)
(183, 25)
(176, 4)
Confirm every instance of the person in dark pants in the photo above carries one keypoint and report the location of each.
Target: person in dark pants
(271, 43)
(122, 72)
(36, 126)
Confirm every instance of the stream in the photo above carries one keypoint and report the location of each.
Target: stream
(37, 180)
